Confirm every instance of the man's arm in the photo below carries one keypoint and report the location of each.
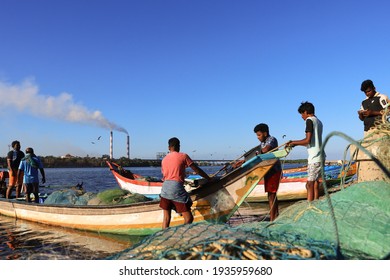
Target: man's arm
(199, 171)
(266, 149)
(9, 163)
(19, 174)
(368, 113)
(43, 175)
(303, 142)
(360, 113)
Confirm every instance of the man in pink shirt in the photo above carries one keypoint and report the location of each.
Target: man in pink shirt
(173, 195)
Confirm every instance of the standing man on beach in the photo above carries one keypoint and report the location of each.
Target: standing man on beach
(373, 106)
(272, 178)
(30, 165)
(13, 160)
(313, 142)
(173, 195)
(371, 112)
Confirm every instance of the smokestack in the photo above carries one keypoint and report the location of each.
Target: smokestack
(111, 145)
(128, 146)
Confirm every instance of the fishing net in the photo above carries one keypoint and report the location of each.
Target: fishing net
(119, 196)
(80, 197)
(353, 223)
(206, 241)
(373, 153)
(303, 231)
(66, 197)
(361, 225)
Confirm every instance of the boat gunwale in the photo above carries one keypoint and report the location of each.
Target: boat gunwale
(117, 176)
(149, 206)
(83, 209)
(228, 179)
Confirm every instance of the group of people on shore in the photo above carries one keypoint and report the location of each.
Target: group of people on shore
(174, 197)
(23, 172)
(23, 168)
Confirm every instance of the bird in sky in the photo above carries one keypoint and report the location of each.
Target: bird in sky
(97, 139)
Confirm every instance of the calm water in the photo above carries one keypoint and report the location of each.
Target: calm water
(26, 240)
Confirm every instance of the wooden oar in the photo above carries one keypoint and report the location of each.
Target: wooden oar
(277, 148)
(227, 164)
(233, 161)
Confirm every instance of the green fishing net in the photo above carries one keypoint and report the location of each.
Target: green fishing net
(358, 229)
(361, 221)
(107, 197)
(119, 196)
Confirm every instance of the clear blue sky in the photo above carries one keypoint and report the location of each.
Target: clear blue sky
(205, 71)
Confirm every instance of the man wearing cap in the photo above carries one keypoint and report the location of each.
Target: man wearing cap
(30, 165)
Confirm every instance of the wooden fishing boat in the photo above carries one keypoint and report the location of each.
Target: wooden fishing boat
(215, 201)
(295, 169)
(294, 187)
(135, 183)
(289, 189)
(21, 232)
(328, 168)
(331, 171)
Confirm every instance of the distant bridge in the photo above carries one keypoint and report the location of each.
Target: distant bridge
(212, 161)
(199, 161)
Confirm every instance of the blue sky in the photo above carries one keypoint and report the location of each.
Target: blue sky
(204, 71)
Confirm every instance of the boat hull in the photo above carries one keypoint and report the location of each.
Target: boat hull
(146, 188)
(137, 184)
(214, 202)
(288, 190)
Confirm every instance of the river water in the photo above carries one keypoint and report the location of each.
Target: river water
(26, 240)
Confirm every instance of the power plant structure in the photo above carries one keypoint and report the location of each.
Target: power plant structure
(128, 146)
(112, 145)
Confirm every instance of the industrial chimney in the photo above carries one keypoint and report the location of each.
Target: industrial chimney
(111, 145)
(128, 146)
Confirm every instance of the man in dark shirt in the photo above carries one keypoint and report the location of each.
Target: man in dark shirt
(13, 160)
(373, 106)
(272, 178)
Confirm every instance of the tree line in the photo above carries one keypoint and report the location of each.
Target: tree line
(68, 162)
(75, 162)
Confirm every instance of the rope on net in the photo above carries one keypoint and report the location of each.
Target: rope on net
(207, 241)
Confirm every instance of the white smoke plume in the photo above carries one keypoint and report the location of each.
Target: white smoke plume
(26, 98)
